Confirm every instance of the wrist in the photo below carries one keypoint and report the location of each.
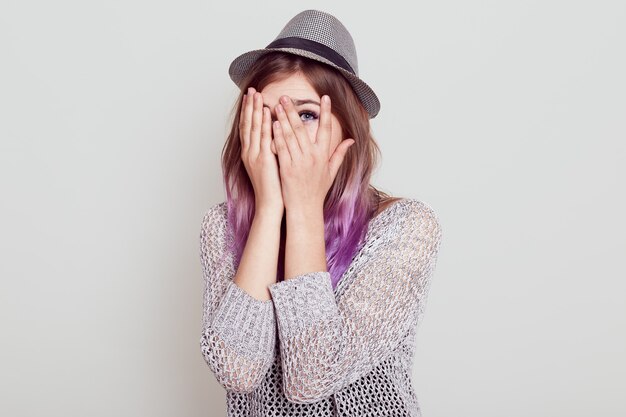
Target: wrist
(305, 211)
(269, 213)
(304, 221)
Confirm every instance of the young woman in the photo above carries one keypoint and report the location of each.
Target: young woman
(315, 281)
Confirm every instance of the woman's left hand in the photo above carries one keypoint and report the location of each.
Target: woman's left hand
(307, 171)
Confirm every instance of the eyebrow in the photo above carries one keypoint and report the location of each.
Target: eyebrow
(298, 102)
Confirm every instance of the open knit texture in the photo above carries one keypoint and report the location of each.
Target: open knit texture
(312, 350)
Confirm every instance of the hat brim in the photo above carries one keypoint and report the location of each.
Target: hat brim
(241, 65)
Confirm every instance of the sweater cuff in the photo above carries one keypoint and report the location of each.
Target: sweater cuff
(245, 324)
(302, 301)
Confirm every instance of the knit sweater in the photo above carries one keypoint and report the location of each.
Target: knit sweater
(312, 350)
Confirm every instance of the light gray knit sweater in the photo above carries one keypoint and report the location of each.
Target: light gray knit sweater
(314, 351)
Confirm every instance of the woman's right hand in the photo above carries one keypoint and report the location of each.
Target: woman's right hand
(255, 132)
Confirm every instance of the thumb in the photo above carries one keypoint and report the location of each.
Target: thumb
(336, 159)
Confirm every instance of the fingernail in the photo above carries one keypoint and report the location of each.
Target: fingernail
(326, 99)
(284, 99)
(279, 108)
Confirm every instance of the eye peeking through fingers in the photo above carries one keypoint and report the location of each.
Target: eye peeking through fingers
(311, 116)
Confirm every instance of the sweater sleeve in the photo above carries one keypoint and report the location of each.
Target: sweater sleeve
(327, 344)
(238, 331)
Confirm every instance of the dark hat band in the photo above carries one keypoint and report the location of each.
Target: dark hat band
(312, 46)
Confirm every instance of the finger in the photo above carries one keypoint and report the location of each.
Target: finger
(247, 117)
(273, 147)
(242, 114)
(288, 135)
(299, 131)
(338, 156)
(284, 157)
(257, 120)
(324, 129)
(266, 130)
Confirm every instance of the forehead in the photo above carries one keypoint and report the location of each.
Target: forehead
(294, 86)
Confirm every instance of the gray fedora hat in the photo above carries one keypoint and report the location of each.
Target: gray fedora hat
(319, 36)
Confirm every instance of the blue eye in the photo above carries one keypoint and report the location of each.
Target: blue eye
(312, 116)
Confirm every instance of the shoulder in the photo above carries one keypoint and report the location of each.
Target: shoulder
(215, 212)
(418, 218)
(423, 212)
(213, 232)
(214, 219)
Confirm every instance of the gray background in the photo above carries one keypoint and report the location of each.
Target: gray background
(506, 117)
